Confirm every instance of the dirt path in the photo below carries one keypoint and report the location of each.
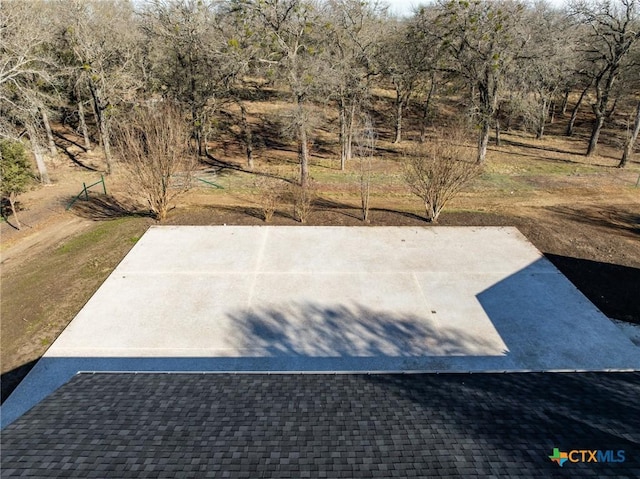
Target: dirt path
(45, 221)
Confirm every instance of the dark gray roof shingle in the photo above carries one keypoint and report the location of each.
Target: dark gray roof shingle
(320, 425)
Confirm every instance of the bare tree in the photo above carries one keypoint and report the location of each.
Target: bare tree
(547, 61)
(36, 147)
(83, 126)
(186, 59)
(483, 41)
(612, 31)
(426, 35)
(99, 41)
(293, 53)
(26, 71)
(154, 145)
(631, 80)
(576, 108)
(366, 150)
(240, 55)
(436, 172)
(270, 190)
(354, 40)
(404, 58)
(631, 140)
(302, 198)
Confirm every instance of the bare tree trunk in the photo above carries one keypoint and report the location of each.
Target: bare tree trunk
(488, 90)
(542, 120)
(483, 142)
(497, 128)
(12, 203)
(96, 115)
(106, 144)
(628, 148)
(47, 127)
(600, 109)
(610, 113)
(198, 132)
(248, 137)
(103, 126)
(350, 122)
(595, 134)
(343, 134)
(83, 127)
(565, 102)
(37, 153)
(346, 110)
(199, 142)
(205, 140)
(399, 108)
(574, 112)
(303, 155)
(552, 112)
(426, 111)
(303, 146)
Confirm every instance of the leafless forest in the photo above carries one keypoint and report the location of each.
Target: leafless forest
(94, 65)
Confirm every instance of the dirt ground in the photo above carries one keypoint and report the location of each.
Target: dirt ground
(583, 214)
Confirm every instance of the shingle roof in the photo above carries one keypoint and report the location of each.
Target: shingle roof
(314, 425)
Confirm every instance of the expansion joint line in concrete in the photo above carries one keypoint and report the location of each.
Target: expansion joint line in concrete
(256, 271)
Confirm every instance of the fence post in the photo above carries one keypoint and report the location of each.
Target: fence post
(104, 185)
(86, 193)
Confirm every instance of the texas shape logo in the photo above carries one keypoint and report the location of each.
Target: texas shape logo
(559, 457)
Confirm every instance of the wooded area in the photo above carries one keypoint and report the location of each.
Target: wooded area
(92, 64)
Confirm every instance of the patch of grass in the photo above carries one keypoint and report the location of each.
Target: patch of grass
(40, 298)
(501, 182)
(89, 238)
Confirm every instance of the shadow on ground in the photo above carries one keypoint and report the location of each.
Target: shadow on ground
(10, 380)
(613, 288)
(621, 221)
(349, 331)
(105, 207)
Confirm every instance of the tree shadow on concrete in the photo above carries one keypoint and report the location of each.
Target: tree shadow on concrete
(347, 331)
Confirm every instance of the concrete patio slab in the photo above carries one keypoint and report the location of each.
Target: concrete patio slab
(334, 299)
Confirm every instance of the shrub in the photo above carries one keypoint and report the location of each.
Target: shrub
(437, 171)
